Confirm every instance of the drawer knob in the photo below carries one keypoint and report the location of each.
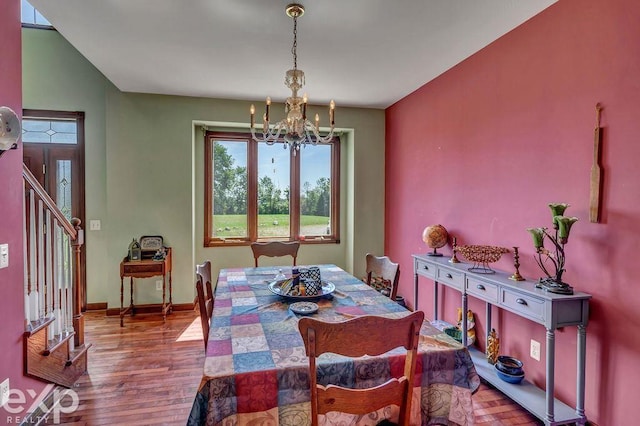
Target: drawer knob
(426, 267)
(480, 287)
(521, 301)
(449, 276)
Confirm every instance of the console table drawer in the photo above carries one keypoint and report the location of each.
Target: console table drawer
(425, 269)
(527, 306)
(482, 290)
(453, 278)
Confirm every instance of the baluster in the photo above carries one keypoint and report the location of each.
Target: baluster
(33, 277)
(27, 285)
(57, 231)
(48, 271)
(42, 290)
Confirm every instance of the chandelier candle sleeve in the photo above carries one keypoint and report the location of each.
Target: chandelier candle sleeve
(304, 107)
(253, 118)
(266, 114)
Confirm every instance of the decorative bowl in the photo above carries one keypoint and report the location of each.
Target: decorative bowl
(509, 378)
(509, 365)
(481, 256)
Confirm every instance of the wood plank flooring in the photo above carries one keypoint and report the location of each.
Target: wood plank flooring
(147, 373)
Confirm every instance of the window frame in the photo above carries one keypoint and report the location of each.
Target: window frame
(252, 198)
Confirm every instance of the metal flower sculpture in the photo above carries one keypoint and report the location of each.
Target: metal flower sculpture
(545, 258)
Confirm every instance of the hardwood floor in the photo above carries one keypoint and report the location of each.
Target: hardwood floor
(147, 373)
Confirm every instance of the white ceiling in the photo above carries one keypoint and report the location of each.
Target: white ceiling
(366, 53)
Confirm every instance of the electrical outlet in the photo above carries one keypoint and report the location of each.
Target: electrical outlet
(4, 392)
(535, 350)
(159, 285)
(4, 255)
(95, 225)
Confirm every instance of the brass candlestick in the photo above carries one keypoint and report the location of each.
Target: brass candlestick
(454, 258)
(516, 262)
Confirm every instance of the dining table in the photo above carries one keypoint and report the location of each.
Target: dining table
(256, 371)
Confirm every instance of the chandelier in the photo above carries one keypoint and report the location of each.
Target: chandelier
(295, 129)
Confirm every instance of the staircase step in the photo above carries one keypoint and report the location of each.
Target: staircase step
(35, 326)
(77, 353)
(57, 342)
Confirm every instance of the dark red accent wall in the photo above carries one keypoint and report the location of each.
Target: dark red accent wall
(11, 188)
(483, 149)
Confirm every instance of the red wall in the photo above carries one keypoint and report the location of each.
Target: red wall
(11, 187)
(483, 149)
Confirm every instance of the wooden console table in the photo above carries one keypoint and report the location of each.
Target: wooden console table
(524, 299)
(146, 268)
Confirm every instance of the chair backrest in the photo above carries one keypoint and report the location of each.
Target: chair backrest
(206, 294)
(275, 249)
(203, 271)
(356, 337)
(383, 267)
(203, 305)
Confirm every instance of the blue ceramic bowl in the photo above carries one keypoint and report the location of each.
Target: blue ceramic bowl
(509, 378)
(509, 365)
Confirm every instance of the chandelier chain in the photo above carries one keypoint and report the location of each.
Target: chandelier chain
(294, 48)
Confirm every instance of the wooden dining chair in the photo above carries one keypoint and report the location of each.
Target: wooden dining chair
(383, 270)
(203, 271)
(205, 293)
(203, 305)
(356, 337)
(275, 249)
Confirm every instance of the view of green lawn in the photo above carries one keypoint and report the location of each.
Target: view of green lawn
(269, 225)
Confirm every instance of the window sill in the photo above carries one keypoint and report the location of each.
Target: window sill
(238, 242)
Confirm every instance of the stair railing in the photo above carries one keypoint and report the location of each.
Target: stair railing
(52, 266)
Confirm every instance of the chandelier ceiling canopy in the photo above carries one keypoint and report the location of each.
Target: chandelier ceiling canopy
(295, 129)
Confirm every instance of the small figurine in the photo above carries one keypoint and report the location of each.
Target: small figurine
(471, 324)
(493, 347)
(160, 254)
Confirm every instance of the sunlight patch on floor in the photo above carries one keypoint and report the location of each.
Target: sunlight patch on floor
(193, 332)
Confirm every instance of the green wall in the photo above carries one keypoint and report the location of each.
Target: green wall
(144, 171)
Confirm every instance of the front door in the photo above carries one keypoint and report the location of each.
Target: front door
(53, 144)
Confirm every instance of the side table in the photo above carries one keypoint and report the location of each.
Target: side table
(146, 268)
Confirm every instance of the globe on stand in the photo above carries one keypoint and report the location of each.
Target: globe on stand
(435, 237)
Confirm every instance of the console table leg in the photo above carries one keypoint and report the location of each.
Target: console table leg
(164, 304)
(415, 292)
(170, 292)
(488, 315)
(121, 301)
(551, 348)
(582, 351)
(464, 319)
(435, 300)
(131, 305)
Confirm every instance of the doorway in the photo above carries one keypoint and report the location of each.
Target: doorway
(53, 143)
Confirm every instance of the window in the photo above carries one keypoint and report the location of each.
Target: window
(32, 18)
(258, 192)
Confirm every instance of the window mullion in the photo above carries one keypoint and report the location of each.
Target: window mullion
(252, 187)
(294, 194)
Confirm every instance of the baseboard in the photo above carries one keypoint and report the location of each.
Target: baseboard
(99, 306)
(153, 308)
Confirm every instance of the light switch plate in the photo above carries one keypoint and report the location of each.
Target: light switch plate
(95, 225)
(4, 255)
(4, 392)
